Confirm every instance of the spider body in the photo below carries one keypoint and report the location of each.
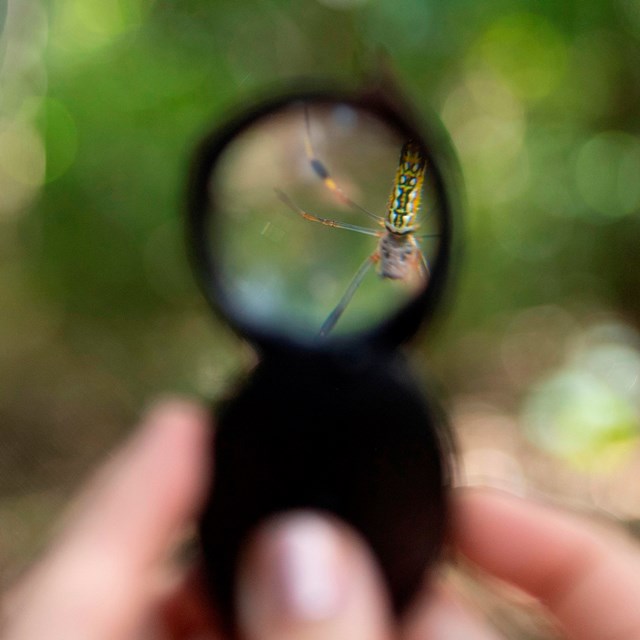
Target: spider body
(398, 255)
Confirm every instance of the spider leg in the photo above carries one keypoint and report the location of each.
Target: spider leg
(326, 221)
(323, 173)
(357, 279)
(425, 265)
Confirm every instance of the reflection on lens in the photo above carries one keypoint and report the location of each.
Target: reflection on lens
(326, 220)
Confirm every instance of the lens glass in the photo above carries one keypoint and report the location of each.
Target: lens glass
(324, 220)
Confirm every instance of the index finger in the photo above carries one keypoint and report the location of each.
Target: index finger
(97, 579)
(586, 577)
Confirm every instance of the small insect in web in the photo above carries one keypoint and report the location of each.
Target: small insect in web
(398, 255)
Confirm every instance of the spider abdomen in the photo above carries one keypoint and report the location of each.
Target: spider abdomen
(399, 256)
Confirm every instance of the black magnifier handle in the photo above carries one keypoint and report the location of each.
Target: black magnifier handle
(352, 436)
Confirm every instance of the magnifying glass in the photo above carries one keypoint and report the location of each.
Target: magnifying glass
(320, 225)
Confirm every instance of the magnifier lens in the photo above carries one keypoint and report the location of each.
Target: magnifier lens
(324, 220)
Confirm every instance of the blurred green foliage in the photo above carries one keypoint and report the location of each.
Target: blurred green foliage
(101, 103)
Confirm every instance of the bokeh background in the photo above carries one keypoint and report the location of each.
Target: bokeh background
(538, 355)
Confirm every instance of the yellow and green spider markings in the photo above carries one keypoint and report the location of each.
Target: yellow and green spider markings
(404, 202)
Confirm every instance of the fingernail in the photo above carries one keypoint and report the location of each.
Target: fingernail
(308, 576)
(301, 574)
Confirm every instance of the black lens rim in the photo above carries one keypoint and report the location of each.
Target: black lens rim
(405, 322)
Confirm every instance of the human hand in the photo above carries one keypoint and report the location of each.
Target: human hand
(107, 575)
(583, 573)
(586, 577)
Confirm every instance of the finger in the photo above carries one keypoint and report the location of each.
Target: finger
(587, 578)
(97, 579)
(186, 611)
(306, 578)
(150, 488)
(439, 615)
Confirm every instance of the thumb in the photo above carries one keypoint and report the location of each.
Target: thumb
(307, 577)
